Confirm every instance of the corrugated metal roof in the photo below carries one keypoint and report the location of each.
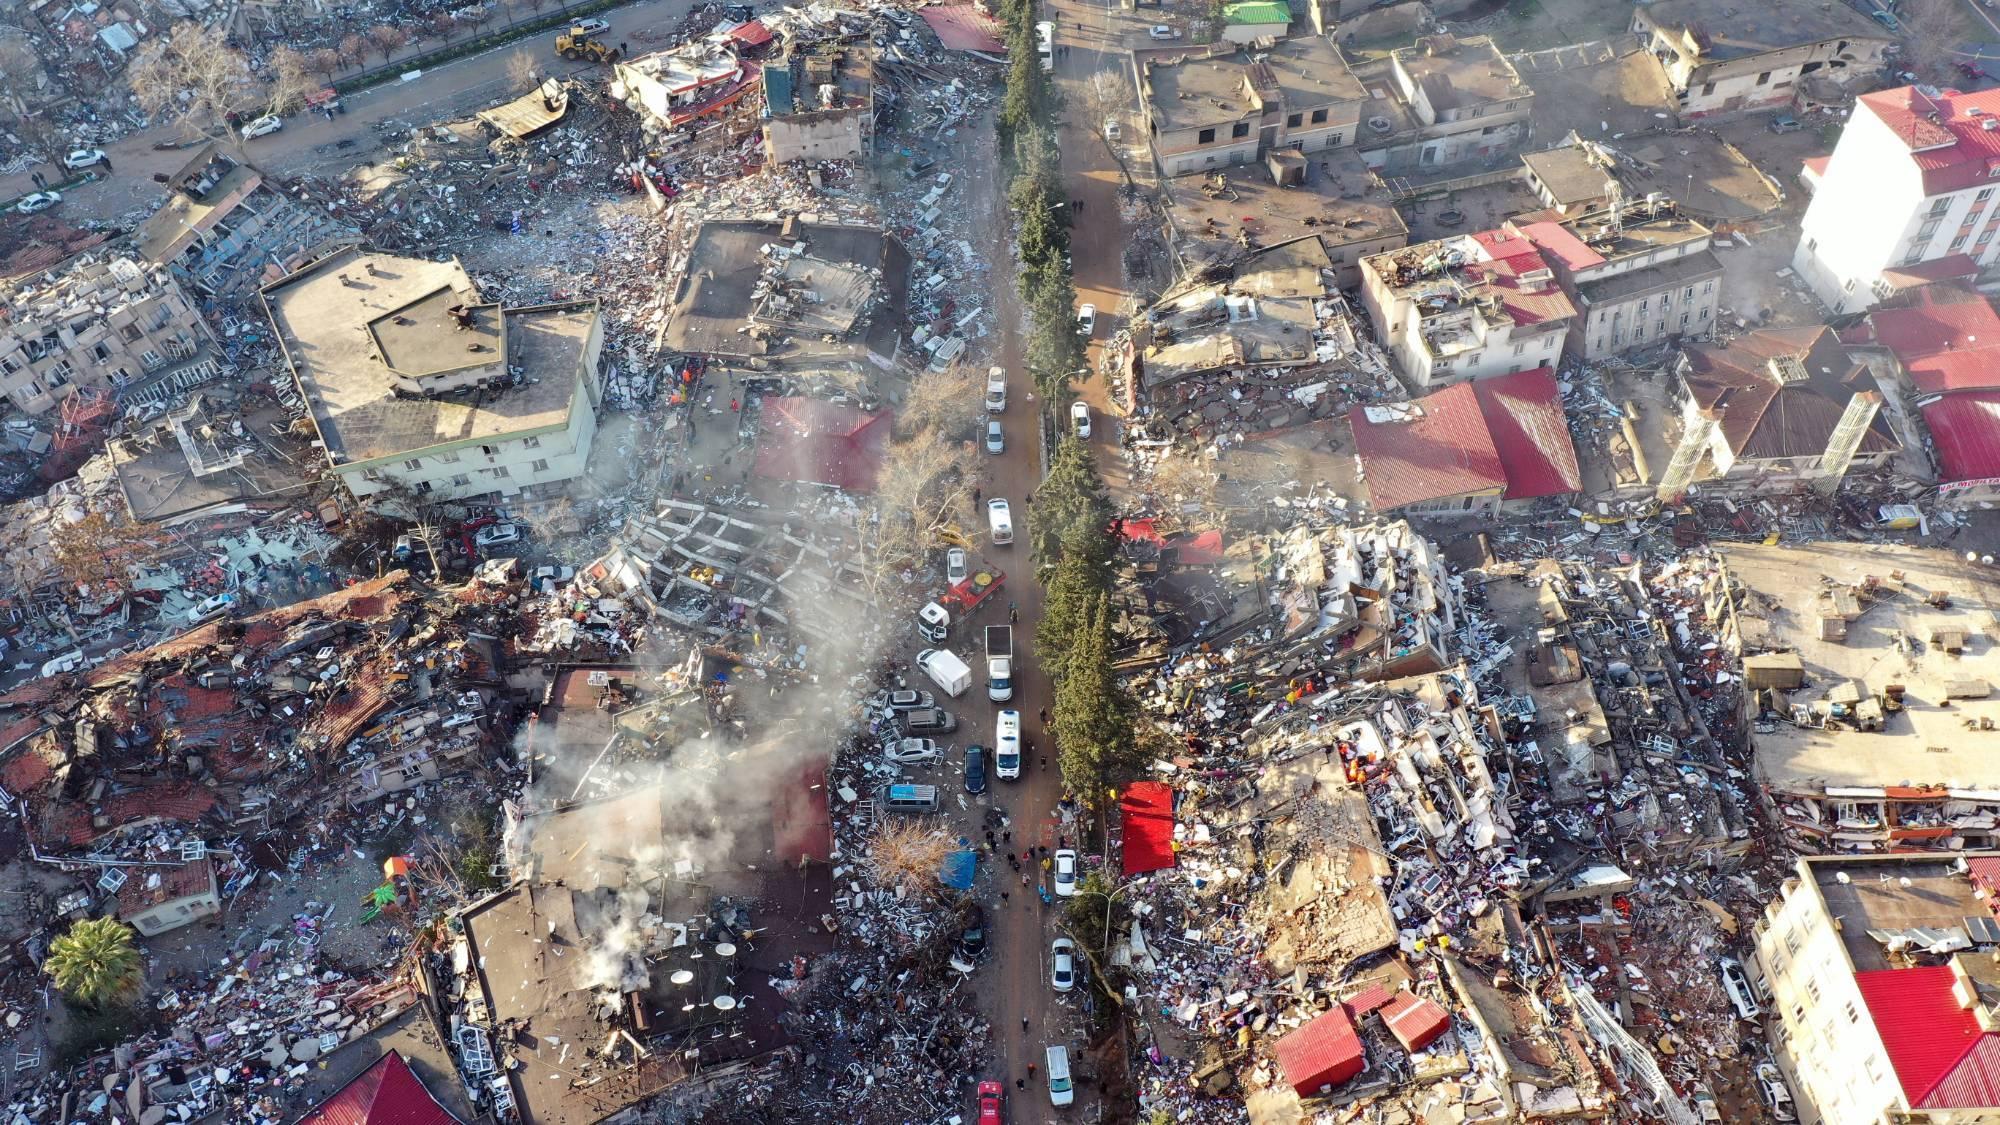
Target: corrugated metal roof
(1325, 1052)
(387, 1093)
(1966, 428)
(1415, 1020)
(1947, 338)
(1446, 450)
(1922, 1027)
(1524, 418)
(1972, 1083)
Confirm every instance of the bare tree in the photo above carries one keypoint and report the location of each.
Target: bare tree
(96, 549)
(910, 855)
(922, 492)
(1930, 32)
(353, 49)
(536, 5)
(290, 79)
(523, 69)
(324, 61)
(949, 404)
(193, 78)
(387, 39)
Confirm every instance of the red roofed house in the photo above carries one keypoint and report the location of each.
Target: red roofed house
(818, 442)
(1880, 988)
(387, 1093)
(1465, 307)
(1469, 449)
(1321, 1055)
(1776, 397)
(1638, 273)
(155, 900)
(1945, 340)
(1416, 1021)
(1912, 180)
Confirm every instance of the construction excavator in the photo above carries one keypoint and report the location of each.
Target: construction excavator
(576, 43)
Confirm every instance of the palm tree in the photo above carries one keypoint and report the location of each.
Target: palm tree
(96, 965)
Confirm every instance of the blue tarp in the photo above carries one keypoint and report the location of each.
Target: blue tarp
(957, 870)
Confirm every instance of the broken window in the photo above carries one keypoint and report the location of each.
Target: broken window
(1240, 129)
(1319, 117)
(1764, 78)
(1293, 121)
(1207, 136)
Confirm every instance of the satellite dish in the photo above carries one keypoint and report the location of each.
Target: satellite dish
(682, 976)
(724, 1003)
(725, 949)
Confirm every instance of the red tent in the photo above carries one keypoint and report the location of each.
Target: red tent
(1147, 810)
(387, 1093)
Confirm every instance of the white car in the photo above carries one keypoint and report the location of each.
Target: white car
(896, 702)
(72, 661)
(1062, 974)
(210, 606)
(1162, 31)
(1086, 320)
(1066, 872)
(547, 578)
(956, 566)
(1007, 745)
(83, 158)
(996, 440)
(1079, 419)
(1000, 522)
(590, 27)
(911, 751)
(1112, 130)
(39, 201)
(263, 126)
(1737, 985)
(1777, 1095)
(494, 534)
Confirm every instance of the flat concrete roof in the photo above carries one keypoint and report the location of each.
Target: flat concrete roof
(182, 211)
(1729, 29)
(1196, 89)
(1468, 72)
(1569, 174)
(1937, 897)
(1928, 743)
(1341, 201)
(1676, 271)
(323, 324)
(718, 293)
(423, 338)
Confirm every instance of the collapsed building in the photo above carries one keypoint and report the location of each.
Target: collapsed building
(1466, 306)
(103, 324)
(819, 104)
(224, 231)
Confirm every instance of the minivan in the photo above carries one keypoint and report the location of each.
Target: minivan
(1007, 746)
(928, 720)
(1061, 1093)
(996, 439)
(910, 798)
(1000, 519)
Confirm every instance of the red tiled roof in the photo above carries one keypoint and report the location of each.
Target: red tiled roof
(1511, 256)
(387, 1093)
(1924, 1030)
(1446, 450)
(1524, 416)
(24, 772)
(1367, 1000)
(1817, 165)
(963, 27)
(1966, 429)
(1953, 151)
(1415, 1020)
(1984, 871)
(752, 34)
(1947, 339)
(1555, 240)
(71, 823)
(1325, 1052)
(809, 439)
(1146, 810)
(1951, 267)
(1763, 417)
(136, 896)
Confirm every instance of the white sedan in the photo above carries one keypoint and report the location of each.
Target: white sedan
(263, 126)
(1086, 320)
(1079, 418)
(1062, 973)
(911, 751)
(1162, 31)
(955, 566)
(83, 158)
(39, 201)
(1066, 872)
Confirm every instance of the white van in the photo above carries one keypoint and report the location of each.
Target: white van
(1007, 746)
(1061, 1093)
(946, 670)
(1000, 519)
(996, 390)
(909, 798)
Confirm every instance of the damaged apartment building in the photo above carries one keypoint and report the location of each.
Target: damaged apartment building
(1868, 677)
(224, 231)
(1466, 306)
(102, 324)
(417, 384)
(819, 104)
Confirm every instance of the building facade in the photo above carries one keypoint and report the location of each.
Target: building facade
(101, 324)
(155, 901)
(428, 393)
(1211, 111)
(1638, 273)
(1443, 102)
(1465, 307)
(819, 105)
(1912, 180)
(1761, 59)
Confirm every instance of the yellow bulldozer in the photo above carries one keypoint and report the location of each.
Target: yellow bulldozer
(576, 43)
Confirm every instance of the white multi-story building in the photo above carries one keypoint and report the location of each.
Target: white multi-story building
(1466, 306)
(1723, 57)
(1877, 975)
(416, 384)
(1913, 179)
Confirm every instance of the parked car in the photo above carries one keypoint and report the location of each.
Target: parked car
(494, 534)
(548, 578)
(84, 158)
(975, 769)
(1704, 1106)
(1086, 319)
(1162, 31)
(1079, 419)
(902, 700)
(1065, 869)
(1737, 985)
(1777, 1095)
(996, 440)
(990, 1094)
(1062, 973)
(1000, 521)
(1885, 19)
(1112, 130)
(1971, 71)
(1785, 123)
(955, 567)
(263, 126)
(589, 27)
(927, 720)
(911, 751)
(39, 201)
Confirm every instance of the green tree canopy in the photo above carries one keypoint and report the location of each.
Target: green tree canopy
(96, 964)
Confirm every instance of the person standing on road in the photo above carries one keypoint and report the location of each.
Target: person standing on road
(1043, 714)
(1024, 1025)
